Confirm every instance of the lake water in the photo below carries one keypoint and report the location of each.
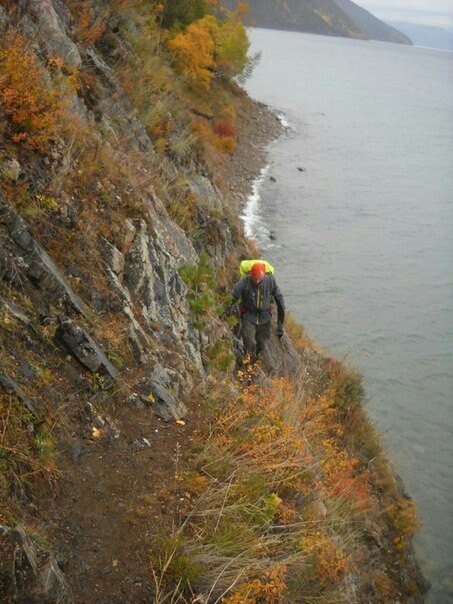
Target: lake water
(361, 221)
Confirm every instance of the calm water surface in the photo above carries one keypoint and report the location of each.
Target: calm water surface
(361, 213)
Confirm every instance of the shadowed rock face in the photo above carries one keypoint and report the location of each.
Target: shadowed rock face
(23, 258)
(11, 387)
(84, 348)
(165, 405)
(37, 579)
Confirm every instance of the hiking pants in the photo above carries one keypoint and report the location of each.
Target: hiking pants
(255, 336)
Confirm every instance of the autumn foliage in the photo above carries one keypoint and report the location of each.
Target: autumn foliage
(268, 588)
(89, 28)
(209, 49)
(280, 499)
(195, 51)
(32, 111)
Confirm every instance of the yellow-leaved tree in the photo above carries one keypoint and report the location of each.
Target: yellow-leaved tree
(194, 51)
(232, 44)
(210, 48)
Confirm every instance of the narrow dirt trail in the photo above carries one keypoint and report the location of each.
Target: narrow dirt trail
(117, 495)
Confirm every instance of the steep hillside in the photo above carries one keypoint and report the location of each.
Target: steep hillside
(325, 17)
(141, 458)
(322, 17)
(372, 27)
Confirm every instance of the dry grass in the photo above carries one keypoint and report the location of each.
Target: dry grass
(279, 503)
(248, 528)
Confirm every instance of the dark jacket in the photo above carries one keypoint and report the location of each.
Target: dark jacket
(257, 299)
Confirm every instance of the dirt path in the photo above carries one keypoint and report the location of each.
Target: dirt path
(117, 495)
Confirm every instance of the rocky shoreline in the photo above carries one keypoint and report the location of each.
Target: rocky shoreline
(257, 126)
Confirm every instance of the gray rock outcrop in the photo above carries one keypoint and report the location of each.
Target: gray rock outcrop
(165, 405)
(52, 32)
(23, 259)
(37, 577)
(11, 387)
(82, 346)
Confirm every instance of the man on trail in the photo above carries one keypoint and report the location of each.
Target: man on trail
(255, 292)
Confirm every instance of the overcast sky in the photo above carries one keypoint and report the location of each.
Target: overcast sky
(427, 12)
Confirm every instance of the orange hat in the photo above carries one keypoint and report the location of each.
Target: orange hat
(258, 271)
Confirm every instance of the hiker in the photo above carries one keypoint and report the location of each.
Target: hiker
(254, 292)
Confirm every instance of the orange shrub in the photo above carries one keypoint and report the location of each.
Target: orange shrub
(209, 134)
(328, 561)
(223, 129)
(267, 589)
(31, 109)
(203, 131)
(89, 28)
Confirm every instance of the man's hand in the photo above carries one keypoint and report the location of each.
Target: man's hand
(279, 330)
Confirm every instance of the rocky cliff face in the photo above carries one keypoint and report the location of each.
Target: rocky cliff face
(140, 256)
